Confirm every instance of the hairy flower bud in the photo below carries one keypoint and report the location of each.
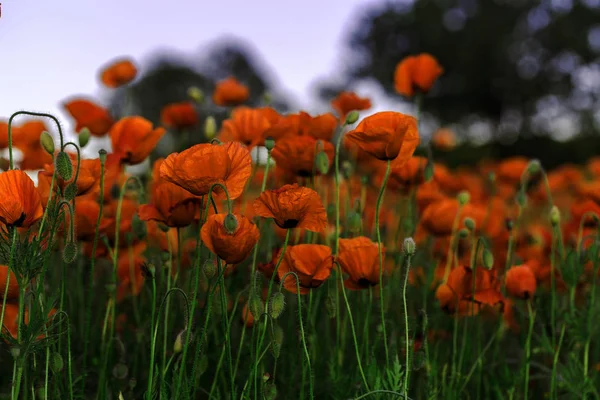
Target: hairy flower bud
(210, 127)
(554, 216)
(277, 305)
(195, 94)
(84, 137)
(463, 198)
(469, 224)
(47, 142)
(409, 246)
(230, 223)
(488, 259)
(322, 163)
(352, 117)
(63, 165)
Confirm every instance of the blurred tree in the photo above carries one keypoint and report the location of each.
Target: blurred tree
(523, 66)
(168, 79)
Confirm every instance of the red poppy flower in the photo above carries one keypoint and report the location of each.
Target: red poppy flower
(133, 139)
(359, 258)
(89, 115)
(311, 262)
(20, 202)
(179, 115)
(230, 92)
(416, 73)
(231, 245)
(118, 73)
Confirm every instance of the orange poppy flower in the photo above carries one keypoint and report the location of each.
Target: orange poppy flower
(444, 139)
(89, 115)
(34, 158)
(3, 135)
(359, 258)
(232, 246)
(404, 176)
(20, 203)
(303, 124)
(520, 282)
(349, 101)
(292, 206)
(201, 166)
(297, 154)
(13, 285)
(386, 135)
(416, 73)
(118, 73)
(134, 139)
(311, 262)
(246, 125)
(128, 210)
(86, 217)
(510, 170)
(438, 217)
(179, 115)
(171, 205)
(230, 92)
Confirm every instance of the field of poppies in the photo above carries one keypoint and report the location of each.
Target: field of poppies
(341, 262)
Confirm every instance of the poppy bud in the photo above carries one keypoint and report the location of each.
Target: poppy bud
(47, 142)
(330, 306)
(488, 259)
(70, 191)
(102, 155)
(138, 226)
(163, 227)
(84, 137)
(463, 198)
(267, 97)
(347, 169)
(266, 377)
(428, 171)
(463, 233)
(120, 371)
(132, 383)
(270, 391)
(352, 117)
(178, 345)
(534, 167)
(63, 166)
(15, 351)
(521, 198)
(56, 363)
(269, 143)
(554, 216)
(354, 221)
(210, 127)
(409, 246)
(469, 224)
(230, 223)
(322, 163)
(277, 305)
(209, 268)
(70, 252)
(196, 94)
(276, 341)
(256, 305)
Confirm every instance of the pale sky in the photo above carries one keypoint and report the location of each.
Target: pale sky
(52, 50)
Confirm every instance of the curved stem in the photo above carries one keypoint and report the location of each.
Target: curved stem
(381, 297)
(406, 330)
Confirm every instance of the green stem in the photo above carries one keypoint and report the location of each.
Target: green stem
(406, 330)
(381, 289)
(531, 314)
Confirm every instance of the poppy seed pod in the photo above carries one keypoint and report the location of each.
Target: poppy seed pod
(269, 143)
(84, 137)
(554, 216)
(256, 305)
(463, 198)
(210, 127)
(230, 223)
(322, 163)
(63, 166)
(102, 155)
(352, 117)
(409, 246)
(47, 142)
(70, 252)
(277, 305)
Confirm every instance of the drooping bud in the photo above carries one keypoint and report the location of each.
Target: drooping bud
(230, 223)
(276, 341)
(209, 268)
(178, 345)
(277, 305)
(269, 143)
(47, 142)
(70, 252)
(352, 117)
(354, 222)
(409, 246)
(554, 216)
(256, 305)
(534, 167)
(463, 197)
(63, 165)
(463, 233)
(70, 191)
(469, 224)
(84, 137)
(196, 94)
(322, 163)
(488, 259)
(210, 127)
(56, 363)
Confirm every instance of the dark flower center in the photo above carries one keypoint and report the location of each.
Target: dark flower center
(20, 221)
(365, 283)
(290, 223)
